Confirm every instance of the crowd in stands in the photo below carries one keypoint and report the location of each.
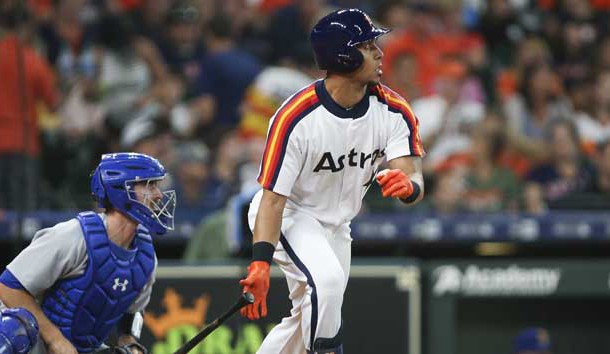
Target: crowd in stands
(513, 96)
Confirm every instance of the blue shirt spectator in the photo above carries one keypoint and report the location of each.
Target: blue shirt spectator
(226, 75)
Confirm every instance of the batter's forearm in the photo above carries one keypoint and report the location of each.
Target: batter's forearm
(21, 298)
(412, 167)
(269, 218)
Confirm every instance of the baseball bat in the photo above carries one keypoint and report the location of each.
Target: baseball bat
(244, 299)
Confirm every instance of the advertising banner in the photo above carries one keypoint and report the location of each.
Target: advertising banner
(381, 311)
(520, 278)
(477, 307)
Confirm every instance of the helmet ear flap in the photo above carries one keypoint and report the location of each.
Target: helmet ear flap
(356, 58)
(347, 60)
(97, 188)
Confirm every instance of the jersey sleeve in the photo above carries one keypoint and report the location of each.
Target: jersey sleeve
(7, 278)
(283, 157)
(54, 253)
(404, 139)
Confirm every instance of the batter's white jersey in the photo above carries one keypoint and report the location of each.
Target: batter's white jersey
(324, 157)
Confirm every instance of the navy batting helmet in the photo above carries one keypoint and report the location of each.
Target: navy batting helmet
(335, 36)
(18, 331)
(112, 184)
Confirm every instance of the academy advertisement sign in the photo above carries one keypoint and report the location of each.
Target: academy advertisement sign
(511, 280)
(464, 295)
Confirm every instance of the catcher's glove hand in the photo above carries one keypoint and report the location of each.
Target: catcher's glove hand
(124, 349)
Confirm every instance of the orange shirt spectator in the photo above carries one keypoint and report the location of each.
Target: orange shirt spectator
(39, 86)
(430, 51)
(601, 5)
(270, 6)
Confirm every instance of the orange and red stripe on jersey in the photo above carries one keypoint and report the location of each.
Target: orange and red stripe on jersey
(284, 122)
(399, 105)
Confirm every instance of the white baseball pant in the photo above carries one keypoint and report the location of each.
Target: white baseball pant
(315, 260)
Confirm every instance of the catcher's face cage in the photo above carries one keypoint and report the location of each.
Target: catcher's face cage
(154, 203)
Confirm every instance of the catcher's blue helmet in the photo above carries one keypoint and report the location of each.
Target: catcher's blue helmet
(18, 331)
(112, 185)
(335, 36)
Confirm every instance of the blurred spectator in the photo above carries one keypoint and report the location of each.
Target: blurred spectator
(289, 28)
(270, 89)
(73, 160)
(248, 168)
(194, 177)
(580, 35)
(182, 45)
(602, 58)
(67, 39)
(229, 154)
(417, 38)
(131, 74)
(532, 341)
(150, 134)
(489, 187)
(27, 83)
(149, 19)
(227, 72)
(500, 29)
(566, 173)
(531, 52)
(395, 15)
(269, 6)
(593, 120)
(435, 35)
(209, 240)
(72, 147)
(529, 112)
(447, 191)
(552, 31)
(601, 187)
(455, 41)
(249, 22)
(403, 72)
(446, 117)
(404, 75)
(597, 195)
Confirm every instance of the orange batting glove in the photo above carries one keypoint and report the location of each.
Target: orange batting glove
(257, 282)
(395, 183)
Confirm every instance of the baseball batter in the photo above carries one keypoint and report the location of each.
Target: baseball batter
(83, 277)
(324, 147)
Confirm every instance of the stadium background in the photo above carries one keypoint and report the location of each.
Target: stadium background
(513, 98)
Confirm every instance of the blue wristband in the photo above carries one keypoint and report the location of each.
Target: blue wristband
(414, 195)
